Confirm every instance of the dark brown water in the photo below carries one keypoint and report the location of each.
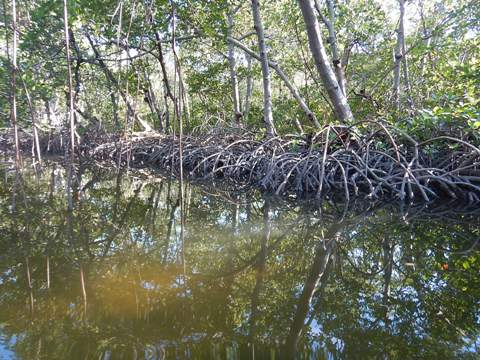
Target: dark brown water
(114, 276)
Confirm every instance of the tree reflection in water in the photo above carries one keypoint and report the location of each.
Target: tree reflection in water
(104, 278)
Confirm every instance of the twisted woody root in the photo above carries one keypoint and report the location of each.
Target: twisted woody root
(384, 163)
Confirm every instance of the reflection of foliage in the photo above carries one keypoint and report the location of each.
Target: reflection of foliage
(125, 237)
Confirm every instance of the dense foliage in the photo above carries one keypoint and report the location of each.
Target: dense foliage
(126, 72)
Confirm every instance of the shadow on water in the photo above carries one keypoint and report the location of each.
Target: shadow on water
(100, 271)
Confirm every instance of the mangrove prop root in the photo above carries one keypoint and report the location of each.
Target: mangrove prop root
(377, 166)
(382, 164)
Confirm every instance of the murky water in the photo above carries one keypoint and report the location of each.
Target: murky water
(110, 273)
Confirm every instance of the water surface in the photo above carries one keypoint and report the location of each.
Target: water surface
(106, 270)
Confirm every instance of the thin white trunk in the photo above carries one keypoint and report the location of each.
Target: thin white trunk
(166, 110)
(71, 108)
(233, 73)
(339, 101)
(406, 76)
(427, 39)
(398, 55)
(13, 113)
(249, 90)
(267, 96)
(109, 75)
(36, 151)
(182, 89)
(152, 102)
(293, 90)
(48, 272)
(332, 40)
(185, 100)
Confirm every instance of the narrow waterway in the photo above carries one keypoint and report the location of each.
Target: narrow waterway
(107, 269)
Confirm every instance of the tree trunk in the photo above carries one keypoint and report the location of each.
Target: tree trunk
(427, 39)
(113, 100)
(185, 98)
(13, 113)
(166, 83)
(233, 73)
(332, 40)
(152, 102)
(293, 90)
(36, 151)
(161, 60)
(338, 99)
(71, 107)
(398, 55)
(249, 90)
(407, 78)
(109, 75)
(166, 110)
(267, 96)
(405, 74)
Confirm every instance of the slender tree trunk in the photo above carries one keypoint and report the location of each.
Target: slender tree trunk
(249, 90)
(111, 78)
(293, 90)
(161, 60)
(36, 142)
(398, 55)
(48, 272)
(166, 83)
(13, 113)
(167, 88)
(152, 102)
(49, 122)
(185, 99)
(406, 74)
(233, 73)
(182, 90)
(339, 101)
(332, 40)
(166, 109)
(427, 39)
(407, 79)
(267, 94)
(78, 63)
(71, 107)
(7, 54)
(114, 102)
(179, 115)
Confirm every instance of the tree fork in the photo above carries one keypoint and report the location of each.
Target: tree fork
(291, 87)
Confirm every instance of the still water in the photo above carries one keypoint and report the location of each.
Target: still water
(123, 269)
